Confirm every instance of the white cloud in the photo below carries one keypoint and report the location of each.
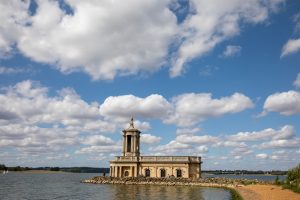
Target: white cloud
(239, 151)
(187, 131)
(281, 143)
(99, 149)
(13, 70)
(202, 149)
(228, 143)
(297, 81)
(13, 15)
(237, 157)
(284, 132)
(119, 107)
(231, 51)
(109, 38)
(211, 23)
(292, 46)
(194, 139)
(149, 139)
(103, 39)
(191, 108)
(172, 147)
(262, 156)
(29, 102)
(99, 140)
(286, 103)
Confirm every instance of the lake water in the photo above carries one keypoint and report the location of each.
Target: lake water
(29, 186)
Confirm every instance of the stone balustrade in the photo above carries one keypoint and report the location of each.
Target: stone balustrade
(159, 158)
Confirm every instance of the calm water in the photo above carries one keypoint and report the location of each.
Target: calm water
(28, 186)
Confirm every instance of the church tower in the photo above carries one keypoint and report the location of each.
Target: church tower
(131, 141)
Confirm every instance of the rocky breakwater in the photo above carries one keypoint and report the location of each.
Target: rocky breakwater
(204, 182)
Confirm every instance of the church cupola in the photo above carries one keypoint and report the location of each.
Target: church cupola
(131, 140)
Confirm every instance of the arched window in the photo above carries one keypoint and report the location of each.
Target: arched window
(147, 172)
(162, 173)
(178, 173)
(126, 173)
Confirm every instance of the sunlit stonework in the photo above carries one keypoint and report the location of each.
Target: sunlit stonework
(131, 164)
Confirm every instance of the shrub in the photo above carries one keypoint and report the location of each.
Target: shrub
(293, 179)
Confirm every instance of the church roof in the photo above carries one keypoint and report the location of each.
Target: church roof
(131, 127)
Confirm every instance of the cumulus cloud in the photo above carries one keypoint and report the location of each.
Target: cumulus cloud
(284, 132)
(297, 81)
(13, 70)
(194, 139)
(119, 107)
(102, 39)
(35, 123)
(244, 150)
(281, 143)
(99, 149)
(210, 23)
(13, 15)
(192, 108)
(149, 139)
(231, 51)
(109, 38)
(286, 103)
(187, 131)
(172, 147)
(30, 102)
(292, 46)
(97, 140)
(262, 156)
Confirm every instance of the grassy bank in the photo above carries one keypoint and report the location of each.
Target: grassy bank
(292, 181)
(235, 195)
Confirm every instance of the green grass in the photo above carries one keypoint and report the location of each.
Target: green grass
(235, 195)
(292, 180)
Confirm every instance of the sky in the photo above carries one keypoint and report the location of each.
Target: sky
(201, 78)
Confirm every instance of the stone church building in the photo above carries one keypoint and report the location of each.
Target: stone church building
(131, 164)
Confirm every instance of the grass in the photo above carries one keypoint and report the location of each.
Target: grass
(292, 180)
(235, 195)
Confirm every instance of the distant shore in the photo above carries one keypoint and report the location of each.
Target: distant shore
(37, 171)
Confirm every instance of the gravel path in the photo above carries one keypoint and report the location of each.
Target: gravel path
(267, 192)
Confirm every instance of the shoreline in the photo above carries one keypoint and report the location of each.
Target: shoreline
(239, 188)
(37, 171)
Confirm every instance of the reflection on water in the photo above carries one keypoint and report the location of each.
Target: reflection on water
(169, 193)
(67, 186)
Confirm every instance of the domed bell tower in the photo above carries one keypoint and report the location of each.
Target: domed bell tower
(131, 140)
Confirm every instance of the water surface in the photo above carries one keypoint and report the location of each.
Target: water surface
(65, 186)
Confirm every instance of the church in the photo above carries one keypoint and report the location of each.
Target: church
(132, 164)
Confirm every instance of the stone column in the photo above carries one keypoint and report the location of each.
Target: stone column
(134, 144)
(132, 139)
(124, 144)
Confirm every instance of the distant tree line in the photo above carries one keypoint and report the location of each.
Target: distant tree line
(273, 172)
(64, 169)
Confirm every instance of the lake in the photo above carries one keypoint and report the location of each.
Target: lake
(33, 186)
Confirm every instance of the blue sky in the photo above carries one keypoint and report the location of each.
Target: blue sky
(217, 81)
